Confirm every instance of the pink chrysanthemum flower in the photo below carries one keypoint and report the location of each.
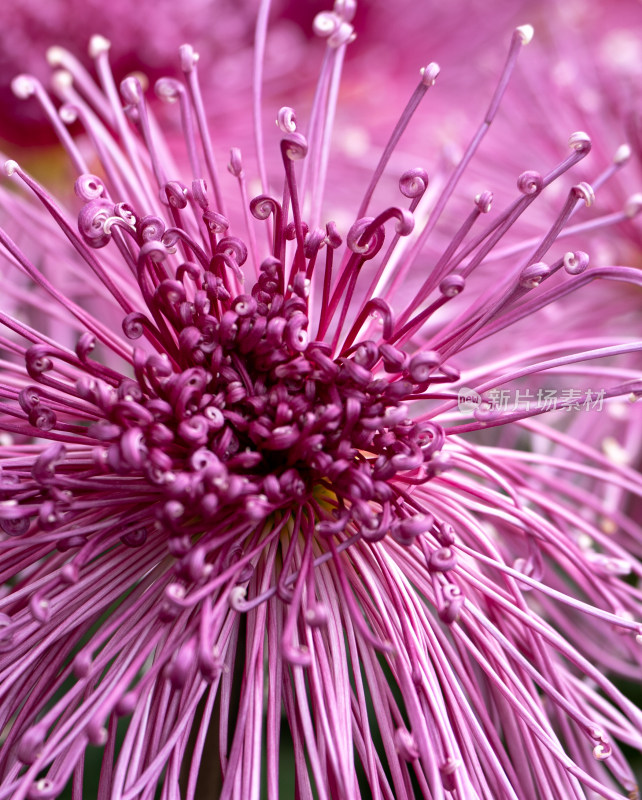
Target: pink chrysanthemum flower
(264, 506)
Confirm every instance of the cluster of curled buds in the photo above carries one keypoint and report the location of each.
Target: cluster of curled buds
(244, 497)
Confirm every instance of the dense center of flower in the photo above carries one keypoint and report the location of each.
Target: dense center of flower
(246, 413)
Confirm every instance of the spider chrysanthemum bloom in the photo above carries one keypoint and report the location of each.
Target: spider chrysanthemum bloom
(259, 507)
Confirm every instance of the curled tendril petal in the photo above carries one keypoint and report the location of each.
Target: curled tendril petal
(584, 191)
(525, 33)
(343, 35)
(633, 206)
(378, 307)
(151, 228)
(622, 154)
(181, 666)
(132, 448)
(118, 222)
(328, 368)
(431, 440)
(61, 81)
(484, 201)
(237, 599)
(317, 615)
(487, 410)
(70, 574)
(37, 360)
(91, 222)
(134, 325)
(199, 193)
(452, 285)
(374, 241)
(532, 275)
(42, 418)
(11, 167)
(404, 225)
(602, 751)
(443, 559)
(262, 206)
(189, 58)
(295, 334)
(124, 211)
(326, 23)
(607, 566)
(24, 86)
(366, 354)
(194, 430)
(334, 27)
(85, 345)
(417, 525)
(414, 182)
(131, 90)
(171, 237)
(29, 398)
(580, 142)
(532, 567)
(31, 743)
(576, 262)
(69, 113)
(376, 529)
(168, 89)
(135, 538)
(189, 343)
(153, 250)
(294, 146)
(82, 663)
(244, 305)
(97, 733)
(89, 187)
(234, 248)
(314, 239)
(175, 194)
(44, 468)
(235, 165)
(332, 527)
(422, 366)
(333, 238)
(216, 222)
(297, 655)
(405, 531)
(453, 600)
(196, 566)
(405, 221)
(39, 607)
(530, 182)
(406, 744)
(286, 120)
(360, 375)
(430, 73)
(394, 360)
(448, 773)
(170, 292)
(17, 526)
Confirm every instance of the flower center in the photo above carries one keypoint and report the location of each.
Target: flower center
(246, 414)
